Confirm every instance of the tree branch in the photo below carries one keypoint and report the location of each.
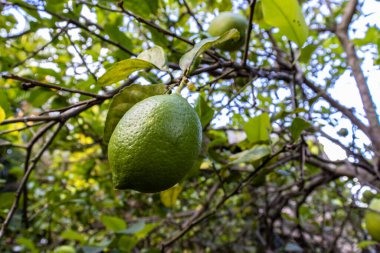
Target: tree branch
(29, 83)
(27, 174)
(354, 62)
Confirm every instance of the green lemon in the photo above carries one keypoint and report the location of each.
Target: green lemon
(372, 219)
(155, 144)
(225, 22)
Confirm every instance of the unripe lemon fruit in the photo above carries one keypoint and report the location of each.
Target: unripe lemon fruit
(372, 219)
(155, 144)
(225, 22)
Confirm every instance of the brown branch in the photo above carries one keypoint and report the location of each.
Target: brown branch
(354, 62)
(153, 25)
(349, 114)
(29, 83)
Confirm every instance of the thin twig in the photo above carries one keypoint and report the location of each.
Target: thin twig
(249, 30)
(191, 13)
(29, 83)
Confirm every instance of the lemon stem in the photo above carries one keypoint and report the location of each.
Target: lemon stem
(182, 85)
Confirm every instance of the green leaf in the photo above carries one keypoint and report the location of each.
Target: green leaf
(156, 56)
(187, 59)
(365, 244)
(116, 35)
(122, 69)
(142, 233)
(2, 114)
(258, 129)
(298, 125)
(123, 101)
(7, 199)
(288, 17)
(4, 101)
(169, 196)
(258, 16)
(142, 8)
(252, 155)
(204, 111)
(307, 52)
(139, 230)
(113, 223)
(127, 243)
(372, 36)
(73, 235)
(92, 249)
(157, 37)
(64, 249)
(27, 243)
(133, 229)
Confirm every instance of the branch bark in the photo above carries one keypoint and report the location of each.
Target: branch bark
(354, 62)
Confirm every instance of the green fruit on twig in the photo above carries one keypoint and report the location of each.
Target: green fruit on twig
(343, 132)
(155, 144)
(372, 219)
(225, 22)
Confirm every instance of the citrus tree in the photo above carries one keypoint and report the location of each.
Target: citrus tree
(286, 164)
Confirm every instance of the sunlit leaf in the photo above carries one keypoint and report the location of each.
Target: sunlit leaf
(169, 196)
(258, 129)
(286, 15)
(72, 235)
(2, 114)
(156, 56)
(365, 244)
(187, 59)
(64, 249)
(122, 69)
(27, 244)
(252, 155)
(204, 111)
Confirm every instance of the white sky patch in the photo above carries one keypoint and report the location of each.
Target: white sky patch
(333, 151)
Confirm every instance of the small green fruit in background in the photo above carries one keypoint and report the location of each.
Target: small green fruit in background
(225, 22)
(343, 132)
(372, 219)
(155, 144)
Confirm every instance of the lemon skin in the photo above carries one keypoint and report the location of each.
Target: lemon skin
(155, 144)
